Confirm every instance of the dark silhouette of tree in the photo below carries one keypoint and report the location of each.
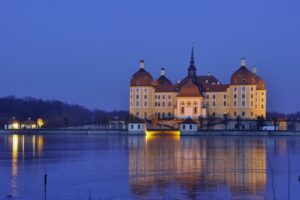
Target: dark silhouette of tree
(275, 123)
(238, 122)
(200, 119)
(225, 120)
(260, 122)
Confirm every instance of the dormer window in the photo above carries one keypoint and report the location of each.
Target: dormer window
(244, 81)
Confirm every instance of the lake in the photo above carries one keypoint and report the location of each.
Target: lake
(154, 167)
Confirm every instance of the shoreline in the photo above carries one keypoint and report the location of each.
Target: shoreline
(126, 133)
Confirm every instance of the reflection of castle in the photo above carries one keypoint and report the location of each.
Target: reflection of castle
(193, 166)
(195, 95)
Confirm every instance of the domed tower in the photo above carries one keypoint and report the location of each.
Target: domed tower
(141, 92)
(189, 101)
(164, 97)
(245, 100)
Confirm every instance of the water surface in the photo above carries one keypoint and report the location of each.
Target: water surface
(160, 167)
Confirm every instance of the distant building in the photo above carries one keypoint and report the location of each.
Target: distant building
(194, 95)
(12, 124)
(29, 124)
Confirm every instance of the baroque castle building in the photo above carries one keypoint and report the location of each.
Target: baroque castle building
(197, 95)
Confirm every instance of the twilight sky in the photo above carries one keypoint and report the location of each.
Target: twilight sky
(85, 51)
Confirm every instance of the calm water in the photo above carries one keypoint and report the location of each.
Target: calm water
(121, 167)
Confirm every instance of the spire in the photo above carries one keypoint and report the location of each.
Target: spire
(162, 71)
(243, 62)
(192, 56)
(192, 68)
(142, 64)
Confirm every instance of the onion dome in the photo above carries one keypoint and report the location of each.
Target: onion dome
(141, 77)
(189, 89)
(163, 80)
(243, 76)
(260, 83)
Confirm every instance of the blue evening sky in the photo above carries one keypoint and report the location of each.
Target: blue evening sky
(85, 51)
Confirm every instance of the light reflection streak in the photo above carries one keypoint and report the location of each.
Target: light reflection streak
(195, 164)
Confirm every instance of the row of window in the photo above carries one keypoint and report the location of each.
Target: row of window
(162, 104)
(182, 110)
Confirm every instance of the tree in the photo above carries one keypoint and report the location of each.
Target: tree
(225, 121)
(238, 122)
(260, 122)
(275, 123)
(200, 119)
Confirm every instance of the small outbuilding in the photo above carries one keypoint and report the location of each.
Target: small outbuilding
(188, 126)
(12, 124)
(137, 126)
(28, 124)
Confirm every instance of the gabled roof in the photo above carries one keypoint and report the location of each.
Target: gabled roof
(188, 121)
(165, 88)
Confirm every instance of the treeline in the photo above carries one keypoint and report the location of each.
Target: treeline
(55, 113)
(290, 117)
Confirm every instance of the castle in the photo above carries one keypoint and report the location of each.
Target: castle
(197, 95)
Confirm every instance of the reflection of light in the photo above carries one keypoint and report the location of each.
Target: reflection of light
(15, 146)
(151, 134)
(33, 145)
(40, 143)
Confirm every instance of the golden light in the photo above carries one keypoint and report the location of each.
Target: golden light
(40, 122)
(15, 126)
(152, 134)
